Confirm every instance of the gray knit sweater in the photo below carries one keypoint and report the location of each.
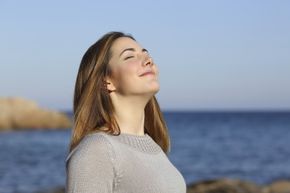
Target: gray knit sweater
(103, 163)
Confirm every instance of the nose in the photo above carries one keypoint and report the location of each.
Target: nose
(147, 60)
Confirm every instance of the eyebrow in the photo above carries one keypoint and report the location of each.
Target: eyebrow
(133, 50)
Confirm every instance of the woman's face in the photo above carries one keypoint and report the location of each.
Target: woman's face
(129, 62)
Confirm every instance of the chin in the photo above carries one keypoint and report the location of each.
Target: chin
(156, 89)
(150, 91)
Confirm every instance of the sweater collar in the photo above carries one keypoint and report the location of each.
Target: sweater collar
(143, 143)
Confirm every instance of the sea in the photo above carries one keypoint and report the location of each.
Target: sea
(253, 146)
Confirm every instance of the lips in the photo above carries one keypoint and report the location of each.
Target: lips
(147, 73)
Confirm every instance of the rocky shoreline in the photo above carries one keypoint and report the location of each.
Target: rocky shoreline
(227, 185)
(17, 113)
(223, 185)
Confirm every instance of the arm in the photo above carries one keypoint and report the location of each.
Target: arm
(90, 168)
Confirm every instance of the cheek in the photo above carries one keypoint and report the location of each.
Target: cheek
(126, 72)
(129, 69)
(155, 68)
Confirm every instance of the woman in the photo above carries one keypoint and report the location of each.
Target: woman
(120, 140)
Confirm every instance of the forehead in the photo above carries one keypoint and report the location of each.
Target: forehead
(122, 43)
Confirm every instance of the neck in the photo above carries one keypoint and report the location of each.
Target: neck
(129, 113)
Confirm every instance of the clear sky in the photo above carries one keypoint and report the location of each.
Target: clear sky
(212, 55)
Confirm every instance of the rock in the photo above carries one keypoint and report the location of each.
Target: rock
(224, 186)
(220, 186)
(282, 186)
(53, 190)
(20, 113)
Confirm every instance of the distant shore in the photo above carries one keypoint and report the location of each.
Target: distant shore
(18, 113)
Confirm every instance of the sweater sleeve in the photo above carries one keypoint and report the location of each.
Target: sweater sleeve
(90, 167)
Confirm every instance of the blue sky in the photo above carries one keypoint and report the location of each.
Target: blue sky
(212, 55)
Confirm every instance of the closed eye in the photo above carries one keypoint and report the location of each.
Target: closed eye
(128, 57)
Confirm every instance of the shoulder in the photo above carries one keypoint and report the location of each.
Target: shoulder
(90, 166)
(92, 146)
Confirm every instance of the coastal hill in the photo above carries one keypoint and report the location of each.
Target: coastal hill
(20, 113)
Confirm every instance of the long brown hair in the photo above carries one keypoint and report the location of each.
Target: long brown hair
(92, 106)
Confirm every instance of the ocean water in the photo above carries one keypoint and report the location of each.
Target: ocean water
(204, 145)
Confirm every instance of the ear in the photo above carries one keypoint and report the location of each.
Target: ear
(109, 84)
